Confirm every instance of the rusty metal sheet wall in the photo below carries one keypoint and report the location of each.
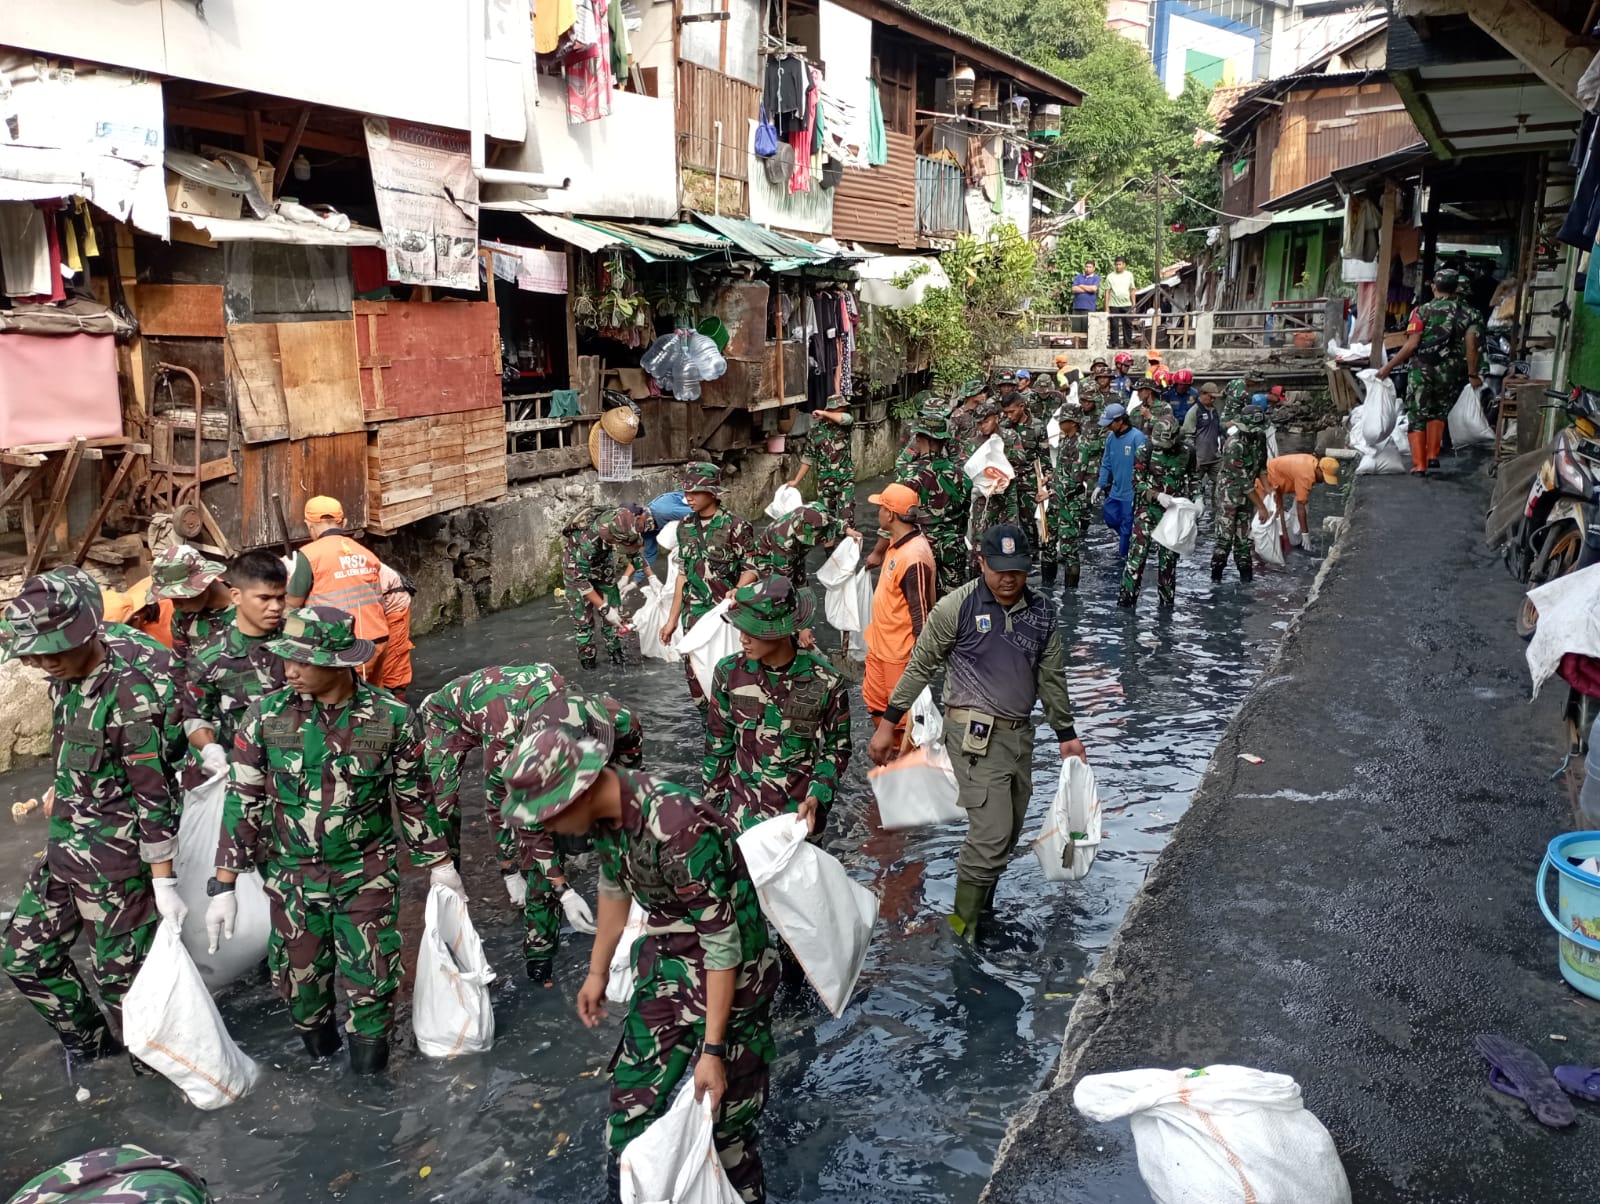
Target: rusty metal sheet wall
(1318, 131)
(296, 470)
(879, 204)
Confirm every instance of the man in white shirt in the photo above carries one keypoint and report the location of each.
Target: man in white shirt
(1118, 292)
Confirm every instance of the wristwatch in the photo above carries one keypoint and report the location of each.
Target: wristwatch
(715, 1048)
(214, 886)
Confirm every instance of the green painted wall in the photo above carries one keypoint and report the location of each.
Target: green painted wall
(1280, 243)
(1584, 367)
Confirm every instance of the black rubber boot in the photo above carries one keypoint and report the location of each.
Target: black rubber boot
(613, 1181)
(586, 658)
(616, 657)
(322, 1041)
(1126, 599)
(1217, 569)
(1047, 574)
(1247, 572)
(1069, 578)
(542, 970)
(368, 1055)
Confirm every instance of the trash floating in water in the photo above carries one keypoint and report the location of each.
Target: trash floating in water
(1251, 758)
(425, 1172)
(21, 810)
(83, 1095)
(1558, 1036)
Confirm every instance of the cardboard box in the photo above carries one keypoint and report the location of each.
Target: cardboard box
(263, 170)
(185, 196)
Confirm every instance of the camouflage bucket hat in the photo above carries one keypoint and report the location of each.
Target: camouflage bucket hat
(183, 572)
(771, 609)
(1071, 412)
(1448, 279)
(971, 389)
(627, 741)
(702, 478)
(55, 612)
(933, 427)
(1007, 377)
(621, 528)
(547, 772)
(987, 409)
(321, 635)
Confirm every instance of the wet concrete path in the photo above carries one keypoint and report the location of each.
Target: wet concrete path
(904, 1098)
(1356, 908)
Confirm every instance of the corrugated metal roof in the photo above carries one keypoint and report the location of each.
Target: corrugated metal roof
(766, 245)
(586, 238)
(676, 243)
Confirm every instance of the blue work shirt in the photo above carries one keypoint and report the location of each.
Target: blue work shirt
(1123, 384)
(1181, 399)
(1116, 470)
(668, 508)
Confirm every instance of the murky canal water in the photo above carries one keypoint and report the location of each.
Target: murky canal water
(904, 1098)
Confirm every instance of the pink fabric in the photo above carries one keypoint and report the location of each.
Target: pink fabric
(801, 140)
(55, 387)
(588, 67)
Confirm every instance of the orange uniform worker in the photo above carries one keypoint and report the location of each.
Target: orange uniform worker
(393, 667)
(135, 607)
(334, 570)
(901, 602)
(1297, 474)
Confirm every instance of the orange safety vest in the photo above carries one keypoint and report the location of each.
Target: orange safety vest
(345, 574)
(889, 636)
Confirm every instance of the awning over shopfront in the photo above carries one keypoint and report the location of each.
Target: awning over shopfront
(653, 244)
(1320, 212)
(779, 252)
(278, 229)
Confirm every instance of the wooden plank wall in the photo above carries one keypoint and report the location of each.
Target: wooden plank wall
(296, 470)
(422, 466)
(704, 98)
(1319, 130)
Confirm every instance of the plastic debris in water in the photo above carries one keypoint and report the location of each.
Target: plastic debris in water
(1251, 758)
(83, 1095)
(425, 1172)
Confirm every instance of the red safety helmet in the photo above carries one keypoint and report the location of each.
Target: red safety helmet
(1123, 360)
(1183, 378)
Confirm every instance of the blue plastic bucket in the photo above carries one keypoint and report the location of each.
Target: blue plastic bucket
(1577, 915)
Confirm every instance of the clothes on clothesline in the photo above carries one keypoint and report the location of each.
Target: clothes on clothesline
(785, 93)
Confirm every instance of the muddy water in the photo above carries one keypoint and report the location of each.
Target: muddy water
(904, 1098)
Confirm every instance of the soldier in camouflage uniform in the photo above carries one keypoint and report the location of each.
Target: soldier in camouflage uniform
(1160, 473)
(1442, 348)
(590, 573)
(232, 667)
(319, 769)
(1069, 502)
(489, 709)
(194, 584)
(1242, 460)
(107, 865)
(705, 968)
(1028, 449)
(828, 449)
(932, 409)
(982, 511)
(778, 719)
(944, 495)
(965, 414)
(123, 1174)
(1236, 395)
(716, 549)
(1092, 447)
(784, 546)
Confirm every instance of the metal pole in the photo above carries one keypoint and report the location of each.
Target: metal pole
(1155, 310)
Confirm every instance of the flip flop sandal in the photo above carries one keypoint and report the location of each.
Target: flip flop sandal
(1581, 1081)
(1517, 1071)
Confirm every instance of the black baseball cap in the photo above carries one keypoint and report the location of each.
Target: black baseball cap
(1005, 549)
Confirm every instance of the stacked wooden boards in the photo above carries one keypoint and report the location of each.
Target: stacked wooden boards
(422, 466)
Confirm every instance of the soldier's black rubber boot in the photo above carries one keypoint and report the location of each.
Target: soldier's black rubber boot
(1069, 578)
(368, 1055)
(90, 1046)
(1217, 567)
(1126, 599)
(322, 1041)
(1247, 572)
(616, 657)
(586, 658)
(1047, 574)
(613, 1181)
(542, 970)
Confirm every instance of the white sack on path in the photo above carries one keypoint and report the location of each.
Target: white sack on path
(786, 500)
(450, 1007)
(823, 915)
(1468, 426)
(988, 469)
(675, 1160)
(198, 832)
(1179, 526)
(916, 790)
(1225, 1133)
(1380, 408)
(708, 641)
(171, 1025)
(1569, 621)
(1380, 459)
(620, 977)
(1067, 847)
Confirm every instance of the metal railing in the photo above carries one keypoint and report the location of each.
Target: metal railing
(941, 198)
(1286, 324)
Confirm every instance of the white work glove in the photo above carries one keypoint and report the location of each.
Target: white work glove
(446, 875)
(168, 902)
(1164, 499)
(613, 616)
(517, 888)
(221, 912)
(214, 760)
(578, 913)
(1098, 496)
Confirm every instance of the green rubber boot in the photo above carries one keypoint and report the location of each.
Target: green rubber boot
(970, 901)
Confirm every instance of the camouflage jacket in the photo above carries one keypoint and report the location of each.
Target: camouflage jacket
(1242, 460)
(314, 789)
(784, 546)
(1091, 451)
(490, 709)
(587, 555)
(828, 446)
(1032, 445)
(944, 492)
(1157, 472)
(775, 737)
(714, 553)
(159, 665)
(1235, 396)
(1443, 323)
(961, 423)
(115, 808)
(227, 672)
(189, 632)
(127, 1174)
(1068, 481)
(674, 855)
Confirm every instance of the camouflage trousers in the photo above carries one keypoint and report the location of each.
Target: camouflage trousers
(1233, 531)
(585, 615)
(1430, 392)
(38, 942)
(659, 1040)
(541, 917)
(836, 492)
(988, 512)
(1144, 525)
(126, 1174)
(315, 933)
(1069, 519)
(953, 563)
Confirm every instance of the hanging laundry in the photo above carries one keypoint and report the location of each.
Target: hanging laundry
(878, 145)
(551, 19)
(588, 63)
(801, 140)
(784, 93)
(24, 249)
(621, 50)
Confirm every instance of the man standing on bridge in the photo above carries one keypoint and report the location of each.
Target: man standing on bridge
(1000, 648)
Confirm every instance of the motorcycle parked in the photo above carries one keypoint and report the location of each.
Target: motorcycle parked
(1560, 525)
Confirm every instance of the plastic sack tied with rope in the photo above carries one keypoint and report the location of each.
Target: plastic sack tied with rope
(675, 1160)
(450, 1009)
(988, 469)
(1179, 526)
(1468, 426)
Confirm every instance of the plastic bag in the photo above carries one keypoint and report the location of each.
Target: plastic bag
(1222, 1133)
(1066, 848)
(1568, 622)
(924, 721)
(916, 790)
(649, 619)
(1381, 458)
(619, 975)
(1468, 426)
(848, 607)
(198, 833)
(675, 1160)
(824, 916)
(988, 469)
(450, 1007)
(1267, 536)
(708, 641)
(1179, 526)
(1380, 408)
(841, 564)
(786, 500)
(170, 1024)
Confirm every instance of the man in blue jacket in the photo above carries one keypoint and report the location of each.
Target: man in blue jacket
(1116, 473)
